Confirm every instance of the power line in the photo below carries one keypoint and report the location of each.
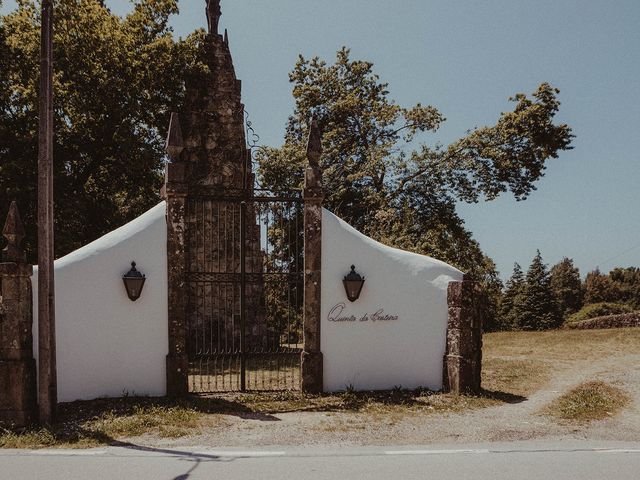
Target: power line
(620, 254)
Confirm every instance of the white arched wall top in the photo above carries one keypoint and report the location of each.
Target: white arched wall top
(404, 301)
(108, 345)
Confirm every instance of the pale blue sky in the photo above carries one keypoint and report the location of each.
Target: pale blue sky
(466, 58)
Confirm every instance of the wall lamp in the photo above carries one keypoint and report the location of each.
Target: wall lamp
(133, 282)
(353, 283)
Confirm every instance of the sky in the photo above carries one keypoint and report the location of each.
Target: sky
(467, 58)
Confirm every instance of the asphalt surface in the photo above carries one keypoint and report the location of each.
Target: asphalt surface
(521, 461)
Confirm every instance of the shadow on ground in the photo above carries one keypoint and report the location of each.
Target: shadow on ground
(503, 397)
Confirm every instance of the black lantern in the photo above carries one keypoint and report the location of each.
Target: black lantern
(353, 283)
(133, 282)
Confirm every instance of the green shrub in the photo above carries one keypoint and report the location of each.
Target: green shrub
(599, 310)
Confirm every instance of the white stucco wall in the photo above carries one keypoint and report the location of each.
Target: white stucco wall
(376, 355)
(107, 344)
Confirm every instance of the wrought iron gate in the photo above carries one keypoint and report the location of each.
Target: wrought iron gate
(245, 291)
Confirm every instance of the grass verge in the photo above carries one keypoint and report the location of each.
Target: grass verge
(587, 402)
(113, 421)
(89, 424)
(515, 365)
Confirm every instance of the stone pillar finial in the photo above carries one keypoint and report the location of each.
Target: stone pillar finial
(314, 144)
(214, 12)
(13, 231)
(313, 191)
(175, 143)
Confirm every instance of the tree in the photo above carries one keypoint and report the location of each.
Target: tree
(628, 282)
(567, 287)
(600, 288)
(511, 303)
(406, 196)
(116, 80)
(538, 309)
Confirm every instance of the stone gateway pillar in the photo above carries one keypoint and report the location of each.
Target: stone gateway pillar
(175, 192)
(311, 365)
(207, 184)
(463, 358)
(18, 402)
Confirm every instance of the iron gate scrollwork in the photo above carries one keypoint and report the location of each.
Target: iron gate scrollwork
(245, 281)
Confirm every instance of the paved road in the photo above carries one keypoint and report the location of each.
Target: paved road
(516, 461)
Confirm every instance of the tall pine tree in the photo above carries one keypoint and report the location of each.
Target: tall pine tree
(511, 300)
(539, 310)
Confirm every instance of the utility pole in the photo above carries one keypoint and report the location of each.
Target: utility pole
(47, 378)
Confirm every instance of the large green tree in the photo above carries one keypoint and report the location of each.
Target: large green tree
(566, 286)
(538, 308)
(599, 288)
(115, 80)
(628, 282)
(379, 178)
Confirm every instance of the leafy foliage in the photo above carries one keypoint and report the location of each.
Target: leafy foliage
(405, 196)
(567, 287)
(622, 285)
(600, 288)
(115, 81)
(628, 282)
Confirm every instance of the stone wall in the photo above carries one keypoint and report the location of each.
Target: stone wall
(395, 333)
(108, 345)
(623, 320)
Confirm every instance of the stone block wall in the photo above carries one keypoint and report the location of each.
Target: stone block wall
(623, 320)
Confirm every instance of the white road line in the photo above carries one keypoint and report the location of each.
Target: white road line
(234, 454)
(434, 452)
(620, 450)
(70, 453)
(283, 453)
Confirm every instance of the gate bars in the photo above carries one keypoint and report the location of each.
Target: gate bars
(245, 292)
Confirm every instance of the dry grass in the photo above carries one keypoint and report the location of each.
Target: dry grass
(89, 424)
(521, 363)
(381, 402)
(558, 347)
(587, 402)
(164, 422)
(518, 377)
(104, 422)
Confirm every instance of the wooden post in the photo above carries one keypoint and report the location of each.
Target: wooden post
(47, 378)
